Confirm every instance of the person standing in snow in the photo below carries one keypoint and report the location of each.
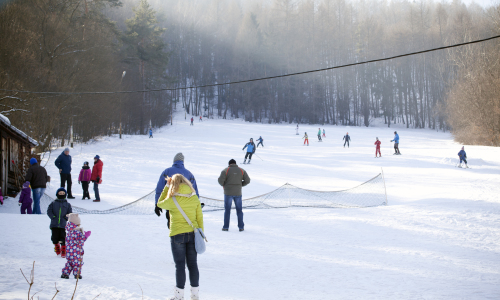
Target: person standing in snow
(250, 150)
(181, 233)
(25, 199)
(347, 139)
(57, 212)
(96, 176)
(232, 179)
(319, 135)
(306, 139)
(377, 150)
(396, 143)
(297, 130)
(37, 176)
(177, 168)
(75, 238)
(192, 119)
(463, 157)
(84, 179)
(201, 119)
(150, 132)
(324, 135)
(63, 163)
(261, 142)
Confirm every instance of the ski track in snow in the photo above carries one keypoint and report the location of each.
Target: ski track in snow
(439, 237)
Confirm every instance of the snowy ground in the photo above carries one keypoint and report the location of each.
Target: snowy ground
(439, 237)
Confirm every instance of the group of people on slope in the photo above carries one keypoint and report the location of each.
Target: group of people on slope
(192, 120)
(178, 184)
(63, 163)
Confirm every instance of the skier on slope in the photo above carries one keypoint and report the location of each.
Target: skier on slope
(192, 119)
(396, 143)
(297, 130)
(261, 142)
(250, 150)
(324, 134)
(377, 150)
(150, 132)
(347, 139)
(319, 135)
(306, 139)
(463, 157)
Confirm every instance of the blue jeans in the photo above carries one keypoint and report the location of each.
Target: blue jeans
(37, 195)
(184, 253)
(228, 202)
(96, 191)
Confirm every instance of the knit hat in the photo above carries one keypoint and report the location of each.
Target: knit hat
(85, 163)
(462, 147)
(97, 156)
(33, 161)
(232, 162)
(395, 132)
(74, 218)
(26, 184)
(179, 156)
(61, 196)
(377, 137)
(66, 149)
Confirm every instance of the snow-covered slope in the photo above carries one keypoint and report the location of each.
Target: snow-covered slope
(437, 239)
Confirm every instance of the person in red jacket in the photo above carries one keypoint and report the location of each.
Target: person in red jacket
(96, 176)
(377, 150)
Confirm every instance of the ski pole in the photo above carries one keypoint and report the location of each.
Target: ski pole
(258, 157)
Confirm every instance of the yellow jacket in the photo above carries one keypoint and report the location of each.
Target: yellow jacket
(189, 203)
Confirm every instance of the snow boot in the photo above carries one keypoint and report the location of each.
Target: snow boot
(249, 161)
(57, 249)
(63, 251)
(178, 294)
(79, 276)
(195, 293)
(245, 161)
(225, 229)
(96, 200)
(65, 276)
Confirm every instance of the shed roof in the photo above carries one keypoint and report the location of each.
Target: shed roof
(6, 122)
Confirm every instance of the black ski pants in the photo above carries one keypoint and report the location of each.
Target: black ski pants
(319, 137)
(67, 178)
(249, 155)
(260, 143)
(58, 235)
(396, 148)
(346, 142)
(85, 187)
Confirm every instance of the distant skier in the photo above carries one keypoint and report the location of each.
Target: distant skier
(396, 143)
(306, 139)
(297, 130)
(377, 150)
(250, 151)
(150, 132)
(201, 120)
(463, 157)
(324, 135)
(347, 139)
(319, 135)
(192, 119)
(261, 142)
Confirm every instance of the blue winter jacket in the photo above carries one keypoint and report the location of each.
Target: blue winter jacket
(396, 138)
(64, 162)
(150, 132)
(250, 147)
(177, 168)
(462, 154)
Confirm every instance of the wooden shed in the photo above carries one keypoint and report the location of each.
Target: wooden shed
(17, 148)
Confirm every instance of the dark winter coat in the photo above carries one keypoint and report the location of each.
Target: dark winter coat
(57, 212)
(37, 176)
(232, 179)
(177, 168)
(462, 154)
(97, 171)
(63, 162)
(347, 138)
(25, 197)
(250, 147)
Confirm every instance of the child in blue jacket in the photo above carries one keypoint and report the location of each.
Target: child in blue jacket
(463, 157)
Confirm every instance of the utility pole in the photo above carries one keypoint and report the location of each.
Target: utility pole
(123, 75)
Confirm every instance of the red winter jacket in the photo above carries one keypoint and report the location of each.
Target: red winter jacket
(96, 171)
(378, 144)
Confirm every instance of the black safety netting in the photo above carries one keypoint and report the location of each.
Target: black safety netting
(369, 194)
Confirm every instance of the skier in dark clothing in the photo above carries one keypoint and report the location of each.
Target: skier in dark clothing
(261, 142)
(463, 157)
(192, 119)
(63, 163)
(396, 143)
(347, 139)
(250, 151)
(37, 176)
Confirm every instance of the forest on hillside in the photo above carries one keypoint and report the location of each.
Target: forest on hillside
(136, 45)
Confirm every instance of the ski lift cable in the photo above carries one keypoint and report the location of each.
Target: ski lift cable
(259, 79)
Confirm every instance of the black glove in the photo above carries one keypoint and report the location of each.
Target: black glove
(202, 205)
(98, 179)
(168, 218)
(158, 211)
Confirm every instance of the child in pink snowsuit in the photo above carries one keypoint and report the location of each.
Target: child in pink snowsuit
(84, 179)
(75, 238)
(25, 199)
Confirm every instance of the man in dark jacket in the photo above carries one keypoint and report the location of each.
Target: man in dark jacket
(57, 212)
(37, 176)
(347, 139)
(177, 168)
(232, 179)
(63, 163)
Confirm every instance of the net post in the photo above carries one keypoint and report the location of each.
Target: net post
(385, 189)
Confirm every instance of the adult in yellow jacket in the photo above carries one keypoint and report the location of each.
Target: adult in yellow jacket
(181, 233)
